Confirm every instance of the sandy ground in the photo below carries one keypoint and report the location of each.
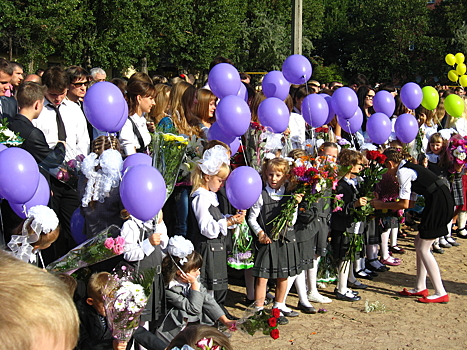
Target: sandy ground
(406, 324)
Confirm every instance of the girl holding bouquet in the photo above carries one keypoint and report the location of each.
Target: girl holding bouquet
(208, 225)
(343, 225)
(276, 258)
(439, 208)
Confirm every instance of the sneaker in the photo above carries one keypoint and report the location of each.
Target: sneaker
(318, 298)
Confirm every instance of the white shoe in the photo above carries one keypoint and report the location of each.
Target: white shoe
(318, 298)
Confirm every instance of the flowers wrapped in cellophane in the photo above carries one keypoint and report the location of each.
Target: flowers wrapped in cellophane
(65, 167)
(254, 320)
(125, 298)
(458, 149)
(241, 256)
(193, 153)
(311, 177)
(169, 152)
(255, 143)
(105, 245)
(8, 137)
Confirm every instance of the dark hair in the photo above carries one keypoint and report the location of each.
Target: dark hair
(120, 83)
(75, 73)
(28, 93)
(39, 71)
(140, 76)
(349, 157)
(362, 93)
(5, 67)
(159, 79)
(326, 145)
(219, 59)
(169, 268)
(192, 334)
(395, 155)
(102, 143)
(300, 93)
(387, 87)
(359, 80)
(137, 88)
(55, 78)
(15, 65)
(244, 76)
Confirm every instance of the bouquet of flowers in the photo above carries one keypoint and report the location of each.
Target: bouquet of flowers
(388, 191)
(322, 133)
(458, 149)
(193, 153)
(255, 143)
(8, 137)
(169, 151)
(105, 245)
(241, 256)
(66, 171)
(344, 143)
(262, 320)
(312, 177)
(371, 175)
(202, 344)
(125, 297)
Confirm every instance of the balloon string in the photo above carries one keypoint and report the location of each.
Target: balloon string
(315, 144)
(351, 134)
(25, 210)
(1, 225)
(243, 151)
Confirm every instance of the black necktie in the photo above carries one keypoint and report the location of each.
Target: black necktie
(60, 125)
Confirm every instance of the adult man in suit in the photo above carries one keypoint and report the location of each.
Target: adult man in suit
(8, 106)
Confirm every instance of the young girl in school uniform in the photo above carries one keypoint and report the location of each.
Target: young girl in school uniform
(439, 208)
(278, 259)
(208, 226)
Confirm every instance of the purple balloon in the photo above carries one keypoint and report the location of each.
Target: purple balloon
(104, 106)
(297, 69)
(233, 115)
(275, 85)
(353, 124)
(274, 113)
(384, 102)
(242, 92)
(411, 95)
(143, 191)
(406, 127)
(344, 102)
(19, 175)
(315, 110)
(331, 113)
(3, 147)
(224, 80)
(77, 227)
(378, 127)
(136, 159)
(40, 197)
(216, 133)
(243, 187)
(234, 145)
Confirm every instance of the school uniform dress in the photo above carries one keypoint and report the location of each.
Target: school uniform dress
(143, 255)
(304, 234)
(321, 225)
(342, 221)
(439, 202)
(281, 258)
(208, 231)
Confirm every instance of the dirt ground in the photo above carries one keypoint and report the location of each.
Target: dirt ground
(406, 324)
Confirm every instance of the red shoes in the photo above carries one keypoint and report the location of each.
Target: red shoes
(442, 300)
(423, 293)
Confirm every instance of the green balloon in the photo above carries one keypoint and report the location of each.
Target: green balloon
(430, 98)
(454, 105)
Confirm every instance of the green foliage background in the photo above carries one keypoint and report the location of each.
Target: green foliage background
(387, 40)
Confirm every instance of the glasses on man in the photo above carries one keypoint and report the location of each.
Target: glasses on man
(79, 84)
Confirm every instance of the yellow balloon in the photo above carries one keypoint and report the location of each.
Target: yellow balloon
(452, 75)
(463, 81)
(461, 68)
(450, 59)
(459, 58)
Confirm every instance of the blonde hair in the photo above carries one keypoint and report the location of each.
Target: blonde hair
(198, 180)
(277, 164)
(159, 110)
(96, 285)
(35, 304)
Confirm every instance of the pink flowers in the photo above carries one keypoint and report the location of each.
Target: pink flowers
(117, 245)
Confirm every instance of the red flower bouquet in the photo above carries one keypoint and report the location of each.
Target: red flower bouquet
(262, 320)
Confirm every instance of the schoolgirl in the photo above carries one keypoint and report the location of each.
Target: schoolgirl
(276, 259)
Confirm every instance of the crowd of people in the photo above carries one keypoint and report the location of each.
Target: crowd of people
(189, 240)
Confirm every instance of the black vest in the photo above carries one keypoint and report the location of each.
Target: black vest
(425, 178)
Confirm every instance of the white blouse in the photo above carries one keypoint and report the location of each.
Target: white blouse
(208, 226)
(256, 208)
(128, 139)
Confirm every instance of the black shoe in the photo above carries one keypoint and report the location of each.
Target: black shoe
(231, 317)
(358, 274)
(248, 302)
(357, 286)
(290, 313)
(353, 292)
(282, 320)
(375, 269)
(306, 309)
(346, 297)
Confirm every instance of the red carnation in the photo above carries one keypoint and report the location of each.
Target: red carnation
(381, 158)
(272, 322)
(276, 313)
(274, 334)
